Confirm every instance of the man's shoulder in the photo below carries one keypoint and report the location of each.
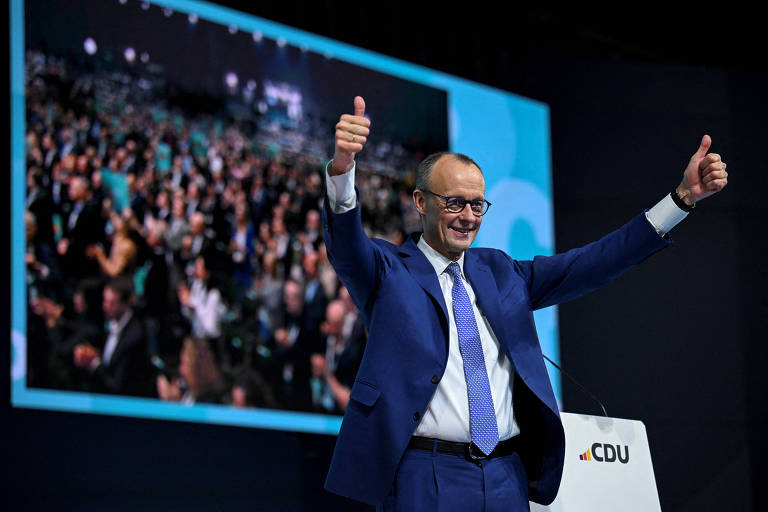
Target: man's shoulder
(489, 256)
(385, 244)
(133, 330)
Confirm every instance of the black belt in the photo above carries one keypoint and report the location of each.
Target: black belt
(467, 450)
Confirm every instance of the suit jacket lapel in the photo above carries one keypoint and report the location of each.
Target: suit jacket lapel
(423, 272)
(487, 294)
(121, 343)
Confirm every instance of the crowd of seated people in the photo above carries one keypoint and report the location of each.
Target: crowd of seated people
(176, 255)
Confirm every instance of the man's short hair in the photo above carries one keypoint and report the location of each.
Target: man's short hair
(424, 170)
(123, 288)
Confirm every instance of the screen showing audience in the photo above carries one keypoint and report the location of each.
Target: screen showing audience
(168, 188)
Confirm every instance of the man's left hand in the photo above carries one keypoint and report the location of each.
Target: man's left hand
(704, 176)
(85, 354)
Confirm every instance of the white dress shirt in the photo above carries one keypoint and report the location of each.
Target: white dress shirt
(205, 310)
(115, 327)
(447, 415)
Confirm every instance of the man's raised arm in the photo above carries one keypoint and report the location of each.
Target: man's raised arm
(355, 258)
(552, 279)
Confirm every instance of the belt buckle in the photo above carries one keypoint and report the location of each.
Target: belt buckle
(472, 456)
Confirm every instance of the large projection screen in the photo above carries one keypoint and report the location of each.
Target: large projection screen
(210, 57)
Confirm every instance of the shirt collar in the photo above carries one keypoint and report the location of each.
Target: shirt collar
(437, 260)
(118, 325)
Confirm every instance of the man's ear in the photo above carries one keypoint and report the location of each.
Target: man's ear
(420, 200)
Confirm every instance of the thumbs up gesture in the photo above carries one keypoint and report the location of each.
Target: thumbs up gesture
(351, 135)
(704, 176)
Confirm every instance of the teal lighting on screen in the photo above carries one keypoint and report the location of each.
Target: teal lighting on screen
(507, 135)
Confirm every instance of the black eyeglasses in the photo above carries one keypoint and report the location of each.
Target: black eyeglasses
(479, 207)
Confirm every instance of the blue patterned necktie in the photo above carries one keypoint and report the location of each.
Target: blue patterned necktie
(482, 417)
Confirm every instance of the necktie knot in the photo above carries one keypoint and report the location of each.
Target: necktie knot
(454, 269)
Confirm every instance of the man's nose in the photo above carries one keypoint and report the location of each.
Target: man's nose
(466, 214)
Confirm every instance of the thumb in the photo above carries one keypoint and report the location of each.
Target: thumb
(359, 106)
(706, 141)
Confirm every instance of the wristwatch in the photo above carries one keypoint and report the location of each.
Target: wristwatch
(680, 203)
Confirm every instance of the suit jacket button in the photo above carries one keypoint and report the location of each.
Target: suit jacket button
(435, 379)
(416, 416)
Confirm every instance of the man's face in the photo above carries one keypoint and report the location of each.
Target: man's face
(178, 208)
(313, 220)
(450, 233)
(112, 305)
(197, 223)
(309, 262)
(77, 189)
(294, 302)
(334, 318)
(201, 271)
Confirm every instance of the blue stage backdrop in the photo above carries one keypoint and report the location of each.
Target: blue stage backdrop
(260, 66)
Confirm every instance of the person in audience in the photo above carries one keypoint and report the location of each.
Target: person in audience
(159, 303)
(39, 203)
(67, 325)
(121, 364)
(294, 339)
(315, 299)
(197, 241)
(122, 253)
(250, 389)
(82, 227)
(198, 381)
(201, 303)
(178, 227)
(241, 247)
(333, 371)
(43, 275)
(162, 208)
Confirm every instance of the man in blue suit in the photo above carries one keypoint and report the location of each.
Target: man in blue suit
(452, 408)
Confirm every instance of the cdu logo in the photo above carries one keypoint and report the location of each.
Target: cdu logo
(603, 452)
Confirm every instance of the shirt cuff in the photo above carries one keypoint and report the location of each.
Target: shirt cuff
(665, 215)
(341, 190)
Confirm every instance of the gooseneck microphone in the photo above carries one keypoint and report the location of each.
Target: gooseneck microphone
(583, 389)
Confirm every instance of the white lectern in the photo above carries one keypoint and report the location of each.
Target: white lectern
(607, 467)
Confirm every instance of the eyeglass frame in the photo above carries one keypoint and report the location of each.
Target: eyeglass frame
(461, 200)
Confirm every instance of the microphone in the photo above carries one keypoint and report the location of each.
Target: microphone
(583, 389)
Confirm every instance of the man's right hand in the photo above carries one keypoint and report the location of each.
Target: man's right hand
(351, 134)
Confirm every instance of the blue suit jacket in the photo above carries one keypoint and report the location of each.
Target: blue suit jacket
(398, 293)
